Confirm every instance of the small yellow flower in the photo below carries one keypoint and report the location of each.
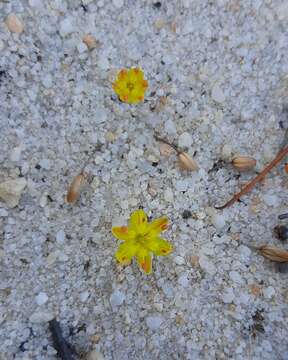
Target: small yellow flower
(130, 85)
(141, 239)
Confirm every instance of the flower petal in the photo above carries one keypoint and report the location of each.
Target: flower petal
(159, 225)
(122, 232)
(160, 247)
(125, 252)
(138, 220)
(144, 260)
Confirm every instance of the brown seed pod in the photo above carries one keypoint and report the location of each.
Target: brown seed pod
(76, 187)
(186, 162)
(90, 41)
(273, 253)
(243, 163)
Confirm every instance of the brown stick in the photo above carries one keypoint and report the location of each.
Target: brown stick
(281, 154)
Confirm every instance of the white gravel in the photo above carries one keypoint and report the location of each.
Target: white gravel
(218, 81)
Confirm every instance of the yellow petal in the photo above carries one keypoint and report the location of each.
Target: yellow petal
(144, 260)
(138, 220)
(135, 75)
(159, 225)
(160, 247)
(122, 232)
(125, 252)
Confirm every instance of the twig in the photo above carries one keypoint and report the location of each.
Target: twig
(281, 154)
(61, 345)
(174, 147)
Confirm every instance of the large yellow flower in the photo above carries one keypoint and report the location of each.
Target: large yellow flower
(141, 239)
(130, 85)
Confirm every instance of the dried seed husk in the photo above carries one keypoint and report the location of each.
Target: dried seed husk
(243, 163)
(186, 162)
(165, 149)
(273, 253)
(76, 187)
(90, 41)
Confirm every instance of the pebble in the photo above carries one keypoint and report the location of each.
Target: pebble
(218, 221)
(39, 317)
(168, 195)
(117, 298)
(183, 280)
(179, 260)
(83, 296)
(271, 200)
(60, 236)
(66, 27)
(228, 295)
(235, 277)
(11, 190)
(47, 81)
(3, 213)
(269, 292)
(14, 24)
(95, 355)
(185, 140)
(41, 298)
(118, 3)
(154, 322)
(45, 164)
(82, 47)
(15, 154)
(101, 115)
(35, 3)
(217, 94)
(207, 265)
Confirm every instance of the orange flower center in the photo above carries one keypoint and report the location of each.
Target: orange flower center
(130, 86)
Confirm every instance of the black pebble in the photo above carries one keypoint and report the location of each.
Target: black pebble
(157, 5)
(281, 232)
(186, 214)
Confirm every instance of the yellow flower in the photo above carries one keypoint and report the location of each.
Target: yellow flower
(130, 85)
(141, 239)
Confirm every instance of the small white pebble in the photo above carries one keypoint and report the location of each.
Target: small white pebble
(45, 164)
(269, 292)
(15, 154)
(117, 298)
(47, 81)
(235, 277)
(154, 322)
(41, 298)
(60, 236)
(228, 295)
(81, 47)
(84, 296)
(66, 27)
(118, 3)
(217, 94)
(168, 195)
(14, 24)
(3, 213)
(183, 280)
(179, 260)
(41, 317)
(218, 221)
(185, 140)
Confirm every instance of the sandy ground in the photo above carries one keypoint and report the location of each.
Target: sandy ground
(217, 73)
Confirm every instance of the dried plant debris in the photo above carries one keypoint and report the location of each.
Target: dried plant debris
(243, 163)
(273, 253)
(11, 190)
(257, 325)
(185, 161)
(247, 188)
(76, 187)
(63, 348)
